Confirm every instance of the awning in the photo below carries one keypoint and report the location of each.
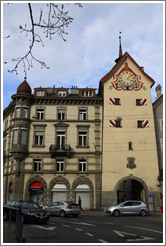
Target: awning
(36, 185)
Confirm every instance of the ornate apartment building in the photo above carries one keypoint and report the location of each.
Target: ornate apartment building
(62, 143)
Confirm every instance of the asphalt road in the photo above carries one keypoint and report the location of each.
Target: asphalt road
(100, 228)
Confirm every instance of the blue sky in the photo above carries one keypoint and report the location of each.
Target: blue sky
(91, 47)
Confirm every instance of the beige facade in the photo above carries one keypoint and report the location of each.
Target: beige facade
(61, 145)
(129, 153)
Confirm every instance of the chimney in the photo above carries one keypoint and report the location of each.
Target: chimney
(158, 91)
(74, 90)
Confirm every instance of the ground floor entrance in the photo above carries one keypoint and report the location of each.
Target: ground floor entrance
(130, 189)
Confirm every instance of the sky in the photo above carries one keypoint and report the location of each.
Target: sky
(92, 44)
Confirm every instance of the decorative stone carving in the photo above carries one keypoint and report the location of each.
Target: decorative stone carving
(131, 163)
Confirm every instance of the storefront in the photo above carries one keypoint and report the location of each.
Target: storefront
(36, 192)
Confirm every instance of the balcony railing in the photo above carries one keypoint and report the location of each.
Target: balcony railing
(60, 150)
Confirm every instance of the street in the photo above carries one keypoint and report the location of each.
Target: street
(98, 228)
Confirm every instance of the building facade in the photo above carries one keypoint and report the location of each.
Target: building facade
(60, 144)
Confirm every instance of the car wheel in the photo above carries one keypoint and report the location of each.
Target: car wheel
(116, 213)
(143, 212)
(5, 216)
(62, 213)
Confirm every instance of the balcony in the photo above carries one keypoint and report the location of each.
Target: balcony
(60, 150)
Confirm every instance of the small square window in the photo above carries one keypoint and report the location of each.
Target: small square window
(130, 146)
(37, 165)
(40, 93)
(82, 114)
(61, 114)
(40, 113)
(60, 166)
(138, 102)
(139, 123)
(62, 93)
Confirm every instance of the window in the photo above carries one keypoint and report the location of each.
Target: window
(39, 138)
(17, 112)
(61, 114)
(12, 166)
(140, 123)
(118, 123)
(60, 166)
(24, 136)
(25, 112)
(138, 102)
(37, 165)
(40, 93)
(6, 124)
(82, 166)
(15, 136)
(115, 123)
(87, 94)
(130, 146)
(60, 139)
(161, 126)
(40, 113)
(82, 114)
(62, 93)
(115, 101)
(82, 138)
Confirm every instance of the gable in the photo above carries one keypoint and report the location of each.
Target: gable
(126, 63)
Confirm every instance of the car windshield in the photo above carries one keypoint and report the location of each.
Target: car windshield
(29, 205)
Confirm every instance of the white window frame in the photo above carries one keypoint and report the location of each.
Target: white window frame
(39, 138)
(82, 166)
(61, 138)
(40, 113)
(60, 166)
(62, 93)
(82, 114)
(84, 137)
(61, 113)
(40, 93)
(38, 163)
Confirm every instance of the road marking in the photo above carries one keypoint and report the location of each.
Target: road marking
(108, 223)
(65, 225)
(89, 234)
(78, 229)
(44, 228)
(140, 238)
(102, 241)
(144, 229)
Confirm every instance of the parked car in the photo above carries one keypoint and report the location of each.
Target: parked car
(31, 211)
(63, 208)
(129, 207)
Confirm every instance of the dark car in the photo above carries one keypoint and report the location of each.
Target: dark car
(129, 207)
(31, 211)
(63, 208)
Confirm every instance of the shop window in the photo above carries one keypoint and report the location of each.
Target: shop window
(82, 166)
(82, 114)
(37, 165)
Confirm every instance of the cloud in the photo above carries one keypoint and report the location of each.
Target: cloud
(92, 43)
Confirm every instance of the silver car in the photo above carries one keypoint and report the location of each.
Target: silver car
(129, 207)
(63, 208)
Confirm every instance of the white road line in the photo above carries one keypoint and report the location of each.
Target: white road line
(144, 229)
(89, 234)
(102, 241)
(65, 225)
(78, 229)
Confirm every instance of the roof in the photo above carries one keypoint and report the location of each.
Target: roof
(120, 61)
(24, 88)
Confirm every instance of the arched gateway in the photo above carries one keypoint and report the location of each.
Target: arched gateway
(131, 188)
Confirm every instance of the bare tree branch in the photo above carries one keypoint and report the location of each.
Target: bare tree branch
(57, 22)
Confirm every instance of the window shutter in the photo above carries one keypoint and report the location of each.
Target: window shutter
(143, 101)
(112, 100)
(112, 123)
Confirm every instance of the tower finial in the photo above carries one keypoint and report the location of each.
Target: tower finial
(120, 46)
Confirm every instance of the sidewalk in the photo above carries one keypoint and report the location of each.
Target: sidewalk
(9, 235)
